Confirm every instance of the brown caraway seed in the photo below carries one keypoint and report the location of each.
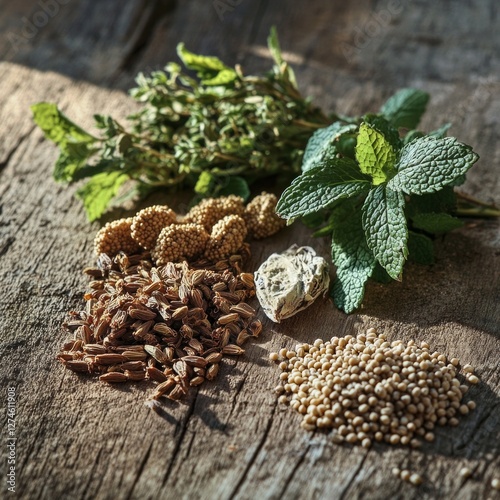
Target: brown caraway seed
(167, 324)
(113, 377)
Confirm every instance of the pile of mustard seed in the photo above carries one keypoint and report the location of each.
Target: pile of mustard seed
(369, 389)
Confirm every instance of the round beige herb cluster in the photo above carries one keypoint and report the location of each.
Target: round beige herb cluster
(261, 217)
(211, 210)
(149, 222)
(115, 237)
(179, 242)
(226, 238)
(367, 388)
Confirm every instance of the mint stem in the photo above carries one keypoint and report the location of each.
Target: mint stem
(478, 212)
(481, 208)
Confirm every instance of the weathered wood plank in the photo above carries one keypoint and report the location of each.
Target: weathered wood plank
(80, 439)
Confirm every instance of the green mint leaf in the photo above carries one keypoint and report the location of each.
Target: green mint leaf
(58, 127)
(420, 249)
(350, 253)
(375, 155)
(436, 223)
(210, 69)
(405, 108)
(390, 133)
(321, 144)
(428, 164)
(97, 193)
(313, 220)
(319, 187)
(345, 144)
(384, 223)
(444, 200)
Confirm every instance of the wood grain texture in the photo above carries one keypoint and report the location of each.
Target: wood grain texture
(80, 439)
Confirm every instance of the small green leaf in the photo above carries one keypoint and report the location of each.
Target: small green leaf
(235, 185)
(223, 77)
(375, 155)
(350, 253)
(275, 50)
(436, 223)
(210, 69)
(199, 62)
(391, 134)
(428, 164)
(76, 145)
(206, 184)
(405, 108)
(274, 46)
(97, 193)
(412, 135)
(314, 219)
(444, 200)
(420, 249)
(210, 185)
(440, 132)
(384, 223)
(58, 127)
(321, 144)
(346, 145)
(66, 166)
(319, 187)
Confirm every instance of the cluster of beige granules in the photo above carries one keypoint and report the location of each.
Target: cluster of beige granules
(369, 389)
(214, 229)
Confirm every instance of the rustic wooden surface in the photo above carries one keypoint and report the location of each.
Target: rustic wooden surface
(78, 438)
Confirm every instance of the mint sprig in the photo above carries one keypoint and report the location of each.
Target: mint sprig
(381, 199)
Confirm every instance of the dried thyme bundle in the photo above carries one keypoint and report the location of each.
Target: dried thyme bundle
(215, 132)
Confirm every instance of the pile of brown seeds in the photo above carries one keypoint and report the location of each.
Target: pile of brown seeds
(369, 389)
(171, 324)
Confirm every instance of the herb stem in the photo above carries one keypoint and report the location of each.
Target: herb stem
(153, 152)
(478, 212)
(303, 123)
(475, 201)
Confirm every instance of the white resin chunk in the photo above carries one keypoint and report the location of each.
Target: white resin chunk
(288, 282)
